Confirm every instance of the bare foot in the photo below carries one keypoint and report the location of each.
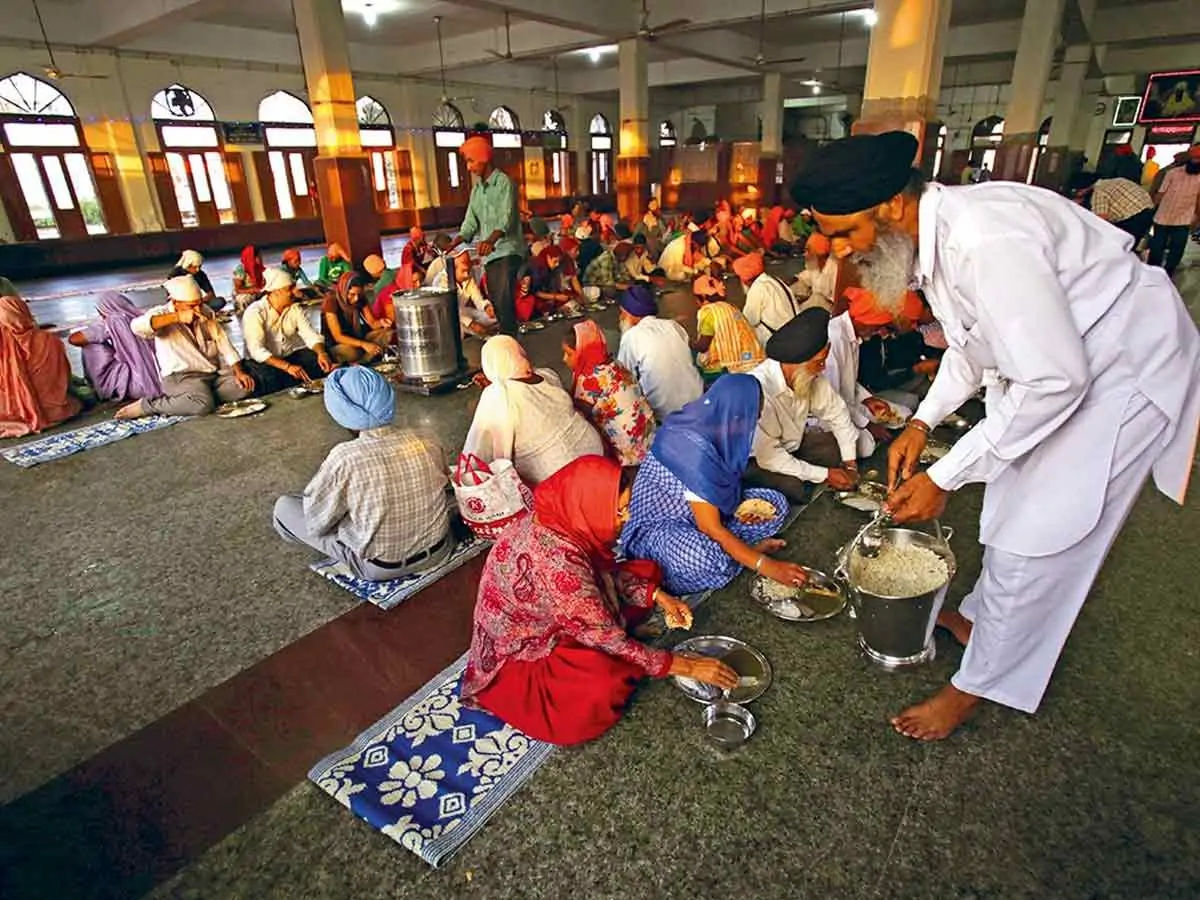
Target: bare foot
(770, 545)
(130, 411)
(938, 717)
(955, 623)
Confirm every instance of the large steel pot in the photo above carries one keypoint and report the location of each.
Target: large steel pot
(427, 333)
(897, 632)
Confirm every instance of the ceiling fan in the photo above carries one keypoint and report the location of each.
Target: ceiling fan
(446, 98)
(507, 55)
(817, 83)
(647, 32)
(557, 104)
(759, 59)
(52, 71)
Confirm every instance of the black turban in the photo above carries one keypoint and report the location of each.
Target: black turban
(855, 173)
(800, 339)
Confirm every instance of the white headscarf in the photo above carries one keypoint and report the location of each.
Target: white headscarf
(503, 358)
(189, 259)
(276, 280)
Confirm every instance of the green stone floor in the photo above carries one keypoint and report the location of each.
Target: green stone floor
(139, 575)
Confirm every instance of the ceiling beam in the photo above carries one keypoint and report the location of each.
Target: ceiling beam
(120, 23)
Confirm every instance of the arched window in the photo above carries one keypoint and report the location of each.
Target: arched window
(985, 137)
(599, 125)
(666, 134)
(378, 139)
(288, 123)
(371, 112)
(448, 116)
(192, 149)
(552, 120)
(179, 103)
(46, 149)
(600, 133)
(555, 141)
(503, 119)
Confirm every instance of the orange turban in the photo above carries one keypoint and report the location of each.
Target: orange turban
(478, 148)
(914, 306)
(817, 243)
(748, 267)
(865, 309)
(707, 286)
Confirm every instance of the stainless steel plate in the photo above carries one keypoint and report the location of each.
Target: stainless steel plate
(822, 597)
(934, 450)
(387, 368)
(749, 663)
(867, 497)
(728, 725)
(240, 408)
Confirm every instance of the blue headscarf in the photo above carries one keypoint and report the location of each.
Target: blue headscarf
(706, 445)
(359, 398)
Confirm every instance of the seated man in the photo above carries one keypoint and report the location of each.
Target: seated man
(607, 272)
(381, 275)
(817, 282)
(334, 264)
(284, 349)
(656, 351)
(541, 235)
(196, 361)
(475, 313)
(689, 254)
(417, 253)
(770, 304)
(292, 263)
(724, 339)
(794, 389)
(638, 265)
(378, 503)
(191, 263)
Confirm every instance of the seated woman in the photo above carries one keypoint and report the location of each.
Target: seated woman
(688, 255)
(34, 372)
(724, 339)
(526, 416)
(351, 330)
(608, 394)
(334, 264)
(550, 651)
(552, 286)
(119, 364)
(684, 516)
(249, 282)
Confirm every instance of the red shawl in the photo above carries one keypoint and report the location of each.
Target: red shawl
(579, 503)
(253, 267)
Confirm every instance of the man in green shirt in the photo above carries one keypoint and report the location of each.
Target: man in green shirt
(492, 213)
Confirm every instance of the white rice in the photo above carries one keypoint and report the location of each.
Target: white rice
(899, 571)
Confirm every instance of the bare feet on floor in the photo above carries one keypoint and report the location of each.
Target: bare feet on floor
(938, 717)
(130, 411)
(955, 623)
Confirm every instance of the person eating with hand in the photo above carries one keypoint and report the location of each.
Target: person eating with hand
(1092, 367)
(284, 349)
(787, 455)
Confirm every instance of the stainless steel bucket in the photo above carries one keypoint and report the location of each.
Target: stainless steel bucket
(427, 334)
(897, 632)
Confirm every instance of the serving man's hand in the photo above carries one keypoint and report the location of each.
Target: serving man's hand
(917, 500)
(905, 454)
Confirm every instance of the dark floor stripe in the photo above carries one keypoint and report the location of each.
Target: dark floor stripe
(143, 808)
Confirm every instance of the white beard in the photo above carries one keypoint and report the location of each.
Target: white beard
(886, 269)
(802, 383)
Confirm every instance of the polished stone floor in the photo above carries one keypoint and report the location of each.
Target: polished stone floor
(151, 614)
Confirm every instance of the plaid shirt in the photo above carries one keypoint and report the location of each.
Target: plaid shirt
(1180, 192)
(383, 494)
(493, 207)
(602, 271)
(1118, 199)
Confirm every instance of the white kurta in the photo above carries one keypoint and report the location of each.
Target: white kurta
(841, 369)
(534, 425)
(1092, 366)
(770, 304)
(657, 352)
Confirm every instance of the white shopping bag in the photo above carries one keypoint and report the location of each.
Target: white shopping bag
(489, 496)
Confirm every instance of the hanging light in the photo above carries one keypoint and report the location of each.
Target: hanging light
(870, 17)
(369, 14)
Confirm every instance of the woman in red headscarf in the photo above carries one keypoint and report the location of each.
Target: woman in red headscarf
(608, 394)
(34, 372)
(550, 652)
(248, 280)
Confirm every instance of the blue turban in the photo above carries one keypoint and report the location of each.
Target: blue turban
(359, 398)
(638, 300)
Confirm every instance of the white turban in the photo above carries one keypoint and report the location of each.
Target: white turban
(189, 259)
(276, 280)
(184, 289)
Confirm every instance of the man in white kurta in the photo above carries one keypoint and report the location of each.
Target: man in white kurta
(1092, 369)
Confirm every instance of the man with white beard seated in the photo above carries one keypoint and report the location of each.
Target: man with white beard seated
(794, 389)
(1092, 368)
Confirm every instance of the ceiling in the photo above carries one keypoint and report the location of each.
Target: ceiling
(713, 48)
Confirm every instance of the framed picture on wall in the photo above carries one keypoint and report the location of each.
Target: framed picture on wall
(1172, 97)
(1125, 112)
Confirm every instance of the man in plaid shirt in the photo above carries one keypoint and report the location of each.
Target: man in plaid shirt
(1118, 200)
(378, 503)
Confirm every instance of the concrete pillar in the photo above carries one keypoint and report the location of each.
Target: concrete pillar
(1040, 30)
(342, 168)
(771, 149)
(904, 71)
(1057, 163)
(633, 154)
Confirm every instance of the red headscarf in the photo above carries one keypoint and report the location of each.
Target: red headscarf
(591, 350)
(579, 503)
(566, 222)
(253, 266)
(34, 373)
(291, 257)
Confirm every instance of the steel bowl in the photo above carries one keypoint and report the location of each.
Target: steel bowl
(728, 725)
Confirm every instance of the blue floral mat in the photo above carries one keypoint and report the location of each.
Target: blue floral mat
(57, 446)
(388, 594)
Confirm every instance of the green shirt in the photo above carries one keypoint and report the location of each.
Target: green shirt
(331, 270)
(493, 207)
